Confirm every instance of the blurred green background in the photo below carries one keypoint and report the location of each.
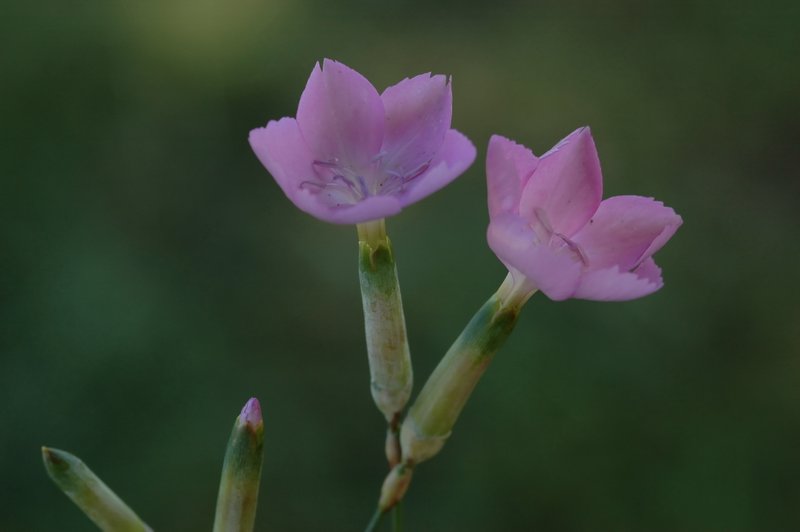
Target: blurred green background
(153, 276)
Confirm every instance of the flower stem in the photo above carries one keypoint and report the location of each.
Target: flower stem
(375, 520)
(372, 232)
(241, 472)
(397, 517)
(435, 411)
(90, 494)
(393, 451)
(384, 325)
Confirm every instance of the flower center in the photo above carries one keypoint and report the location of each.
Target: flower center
(556, 241)
(339, 185)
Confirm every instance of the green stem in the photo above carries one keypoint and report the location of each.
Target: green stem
(435, 411)
(392, 448)
(384, 322)
(374, 521)
(397, 517)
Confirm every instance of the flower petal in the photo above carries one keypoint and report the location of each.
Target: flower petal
(508, 167)
(567, 184)
(341, 116)
(418, 113)
(612, 284)
(281, 149)
(625, 230)
(649, 270)
(554, 272)
(454, 157)
(371, 208)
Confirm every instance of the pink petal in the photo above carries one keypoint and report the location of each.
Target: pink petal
(567, 185)
(611, 284)
(281, 149)
(341, 116)
(455, 155)
(508, 167)
(418, 112)
(554, 272)
(649, 270)
(371, 208)
(626, 230)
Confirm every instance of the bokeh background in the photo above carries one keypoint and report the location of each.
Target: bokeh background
(153, 276)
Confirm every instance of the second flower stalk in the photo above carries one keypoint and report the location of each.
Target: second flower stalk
(434, 413)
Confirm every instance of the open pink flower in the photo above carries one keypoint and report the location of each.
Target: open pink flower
(547, 222)
(353, 155)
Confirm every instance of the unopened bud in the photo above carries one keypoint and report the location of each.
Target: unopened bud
(241, 472)
(395, 486)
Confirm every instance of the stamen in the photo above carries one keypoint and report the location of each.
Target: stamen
(575, 248)
(416, 172)
(391, 184)
(395, 181)
(306, 184)
(393, 176)
(357, 194)
(363, 184)
(351, 187)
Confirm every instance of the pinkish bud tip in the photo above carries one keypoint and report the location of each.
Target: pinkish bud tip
(251, 413)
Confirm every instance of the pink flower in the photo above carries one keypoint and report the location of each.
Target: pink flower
(547, 222)
(353, 155)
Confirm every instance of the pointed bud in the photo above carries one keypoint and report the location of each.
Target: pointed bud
(384, 322)
(251, 413)
(89, 493)
(241, 472)
(395, 486)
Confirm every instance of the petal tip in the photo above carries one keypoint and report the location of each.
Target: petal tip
(470, 151)
(260, 134)
(495, 138)
(613, 284)
(255, 133)
(499, 140)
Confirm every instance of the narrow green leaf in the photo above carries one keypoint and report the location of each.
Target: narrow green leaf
(91, 495)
